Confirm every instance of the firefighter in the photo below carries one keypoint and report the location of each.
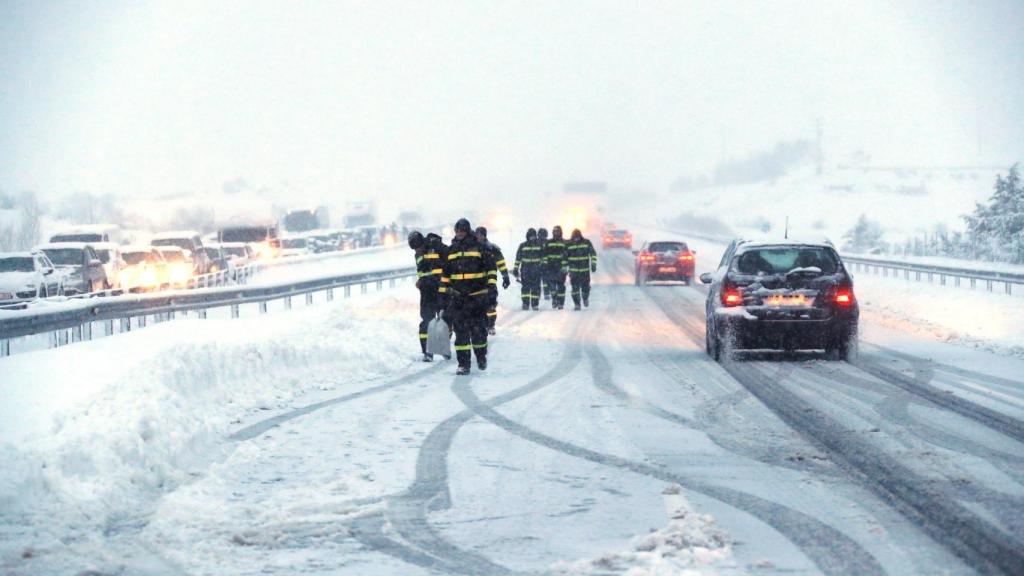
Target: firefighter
(527, 269)
(545, 288)
(499, 268)
(470, 290)
(429, 266)
(556, 262)
(582, 261)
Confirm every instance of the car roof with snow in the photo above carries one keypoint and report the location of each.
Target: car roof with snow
(170, 249)
(88, 229)
(105, 245)
(63, 245)
(175, 234)
(766, 242)
(18, 254)
(137, 248)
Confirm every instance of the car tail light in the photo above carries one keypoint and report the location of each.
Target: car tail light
(843, 297)
(686, 257)
(731, 296)
(645, 257)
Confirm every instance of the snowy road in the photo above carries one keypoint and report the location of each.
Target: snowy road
(593, 429)
(598, 442)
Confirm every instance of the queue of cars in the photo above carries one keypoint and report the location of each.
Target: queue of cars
(771, 294)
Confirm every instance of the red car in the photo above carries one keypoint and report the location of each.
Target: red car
(667, 260)
(618, 239)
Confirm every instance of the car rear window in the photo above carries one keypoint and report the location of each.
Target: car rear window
(667, 247)
(183, 243)
(17, 264)
(784, 259)
(64, 256)
(620, 233)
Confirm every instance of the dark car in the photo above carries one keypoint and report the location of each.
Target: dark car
(617, 239)
(80, 264)
(664, 260)
(783, 295)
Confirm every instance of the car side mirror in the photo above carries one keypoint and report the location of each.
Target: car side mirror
(705, 278)
(94, 263)
(48, 271)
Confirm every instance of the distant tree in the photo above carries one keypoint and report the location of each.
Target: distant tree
(865, 236)
(30, 213)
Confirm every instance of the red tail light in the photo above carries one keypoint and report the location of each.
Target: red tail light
(645, 257)
(844, 297)
(686, 257)
(731, 297)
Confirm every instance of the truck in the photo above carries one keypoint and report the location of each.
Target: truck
(305, 220)
(360, 214)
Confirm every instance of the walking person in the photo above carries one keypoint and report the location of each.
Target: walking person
(430, 253)
(582, 262)
(527, 270)
(470, 291)
(499, 268)
(556, 262)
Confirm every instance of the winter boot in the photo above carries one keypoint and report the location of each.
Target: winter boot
(481, 363)
(577, 307)
(491, 331)
(526, 305)
(428, 357)
(586, 302)
(462, 371)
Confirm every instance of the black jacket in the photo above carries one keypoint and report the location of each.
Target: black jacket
(469, 271)
(430, 260)
(529, 257)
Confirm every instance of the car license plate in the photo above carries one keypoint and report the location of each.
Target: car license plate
(788, 300)
(6, 295)
(666, 269)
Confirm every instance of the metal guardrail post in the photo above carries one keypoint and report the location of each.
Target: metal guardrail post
(126, 324)
(287, 302)
(234, 310)
(263, 307)
(391, 283)
(348, 291)
(1009, 287)
(988, 285)
(309, 298)
(87, 330)
(330, 294)
(76, 333)
(201, 313)
(5, 347)
(942, 279)
(362, 288)
(380, 285)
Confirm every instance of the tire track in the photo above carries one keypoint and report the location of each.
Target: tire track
(831, 551)
(407, 512)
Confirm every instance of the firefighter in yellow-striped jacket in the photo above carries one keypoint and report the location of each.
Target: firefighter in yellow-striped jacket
(500, 267)
(582, 261)
(430, 259)
(470, 290)
(528, 269)
(556, 263)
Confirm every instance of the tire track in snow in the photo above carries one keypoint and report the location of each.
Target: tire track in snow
(407, 512)
(832, 551)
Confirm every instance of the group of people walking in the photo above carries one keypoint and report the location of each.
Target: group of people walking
(459, 282)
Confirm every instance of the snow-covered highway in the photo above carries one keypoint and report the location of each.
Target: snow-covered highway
(598, 442)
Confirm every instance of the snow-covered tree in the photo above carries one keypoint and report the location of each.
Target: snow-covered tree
(996, 229)
(865, 236)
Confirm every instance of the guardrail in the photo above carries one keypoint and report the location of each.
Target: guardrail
(911, 270)
(73, 321)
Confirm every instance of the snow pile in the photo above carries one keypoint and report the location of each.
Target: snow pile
(691, 544)
(78, 474)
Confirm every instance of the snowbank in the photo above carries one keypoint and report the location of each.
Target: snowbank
(92, 434)
(690, 544)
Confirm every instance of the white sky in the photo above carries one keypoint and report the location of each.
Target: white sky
(461, 98)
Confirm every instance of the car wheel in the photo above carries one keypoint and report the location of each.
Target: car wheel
(711, 344)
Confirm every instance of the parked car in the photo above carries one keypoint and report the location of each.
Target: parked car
(294, 247)
(110, 257)
(91, 233)
(190, 242)
(145, 269)
(239, 253)
(664, 260)
(79, 264)
(27, 276)
(180, 266)
(617, 239)
(781, 295)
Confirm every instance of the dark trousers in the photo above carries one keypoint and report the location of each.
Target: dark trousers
(429, 309)
(556, 283)
(531, 287)
(470, 324)
(580, 286)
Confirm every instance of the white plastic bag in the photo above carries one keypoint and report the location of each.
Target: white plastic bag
(439, 338)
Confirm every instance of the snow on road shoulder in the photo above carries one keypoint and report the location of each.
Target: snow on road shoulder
(690, 544)
(149, 411)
